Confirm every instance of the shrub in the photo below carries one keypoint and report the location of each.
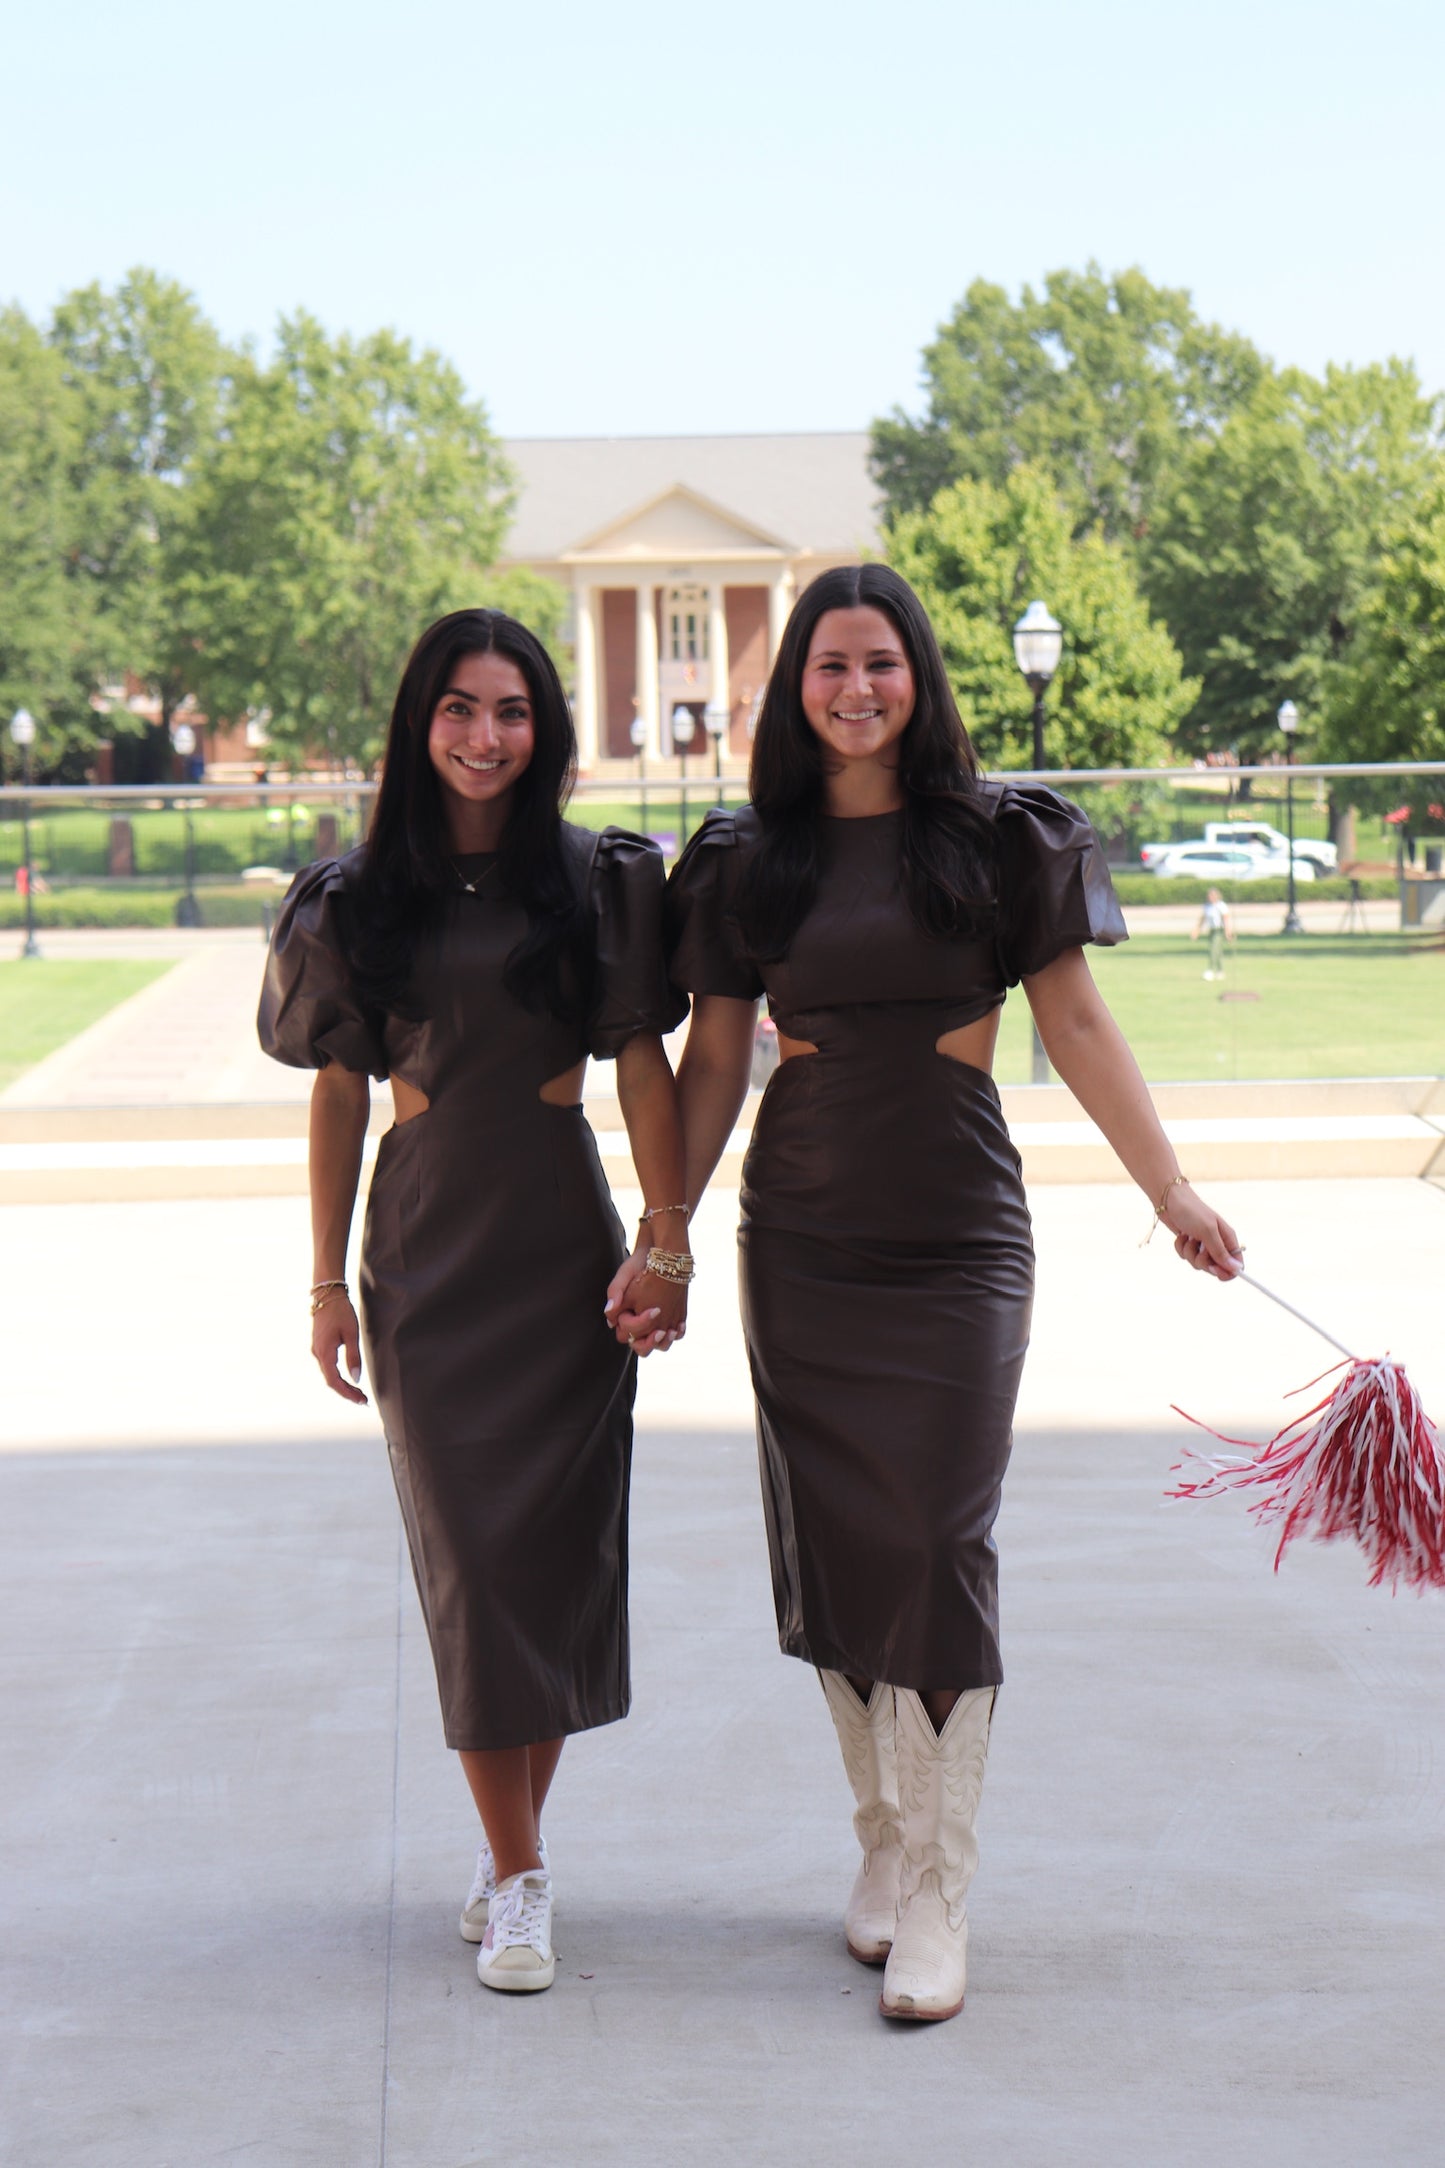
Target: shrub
(1136, 889)
(126, 906)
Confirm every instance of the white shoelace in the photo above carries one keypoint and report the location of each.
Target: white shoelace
(484, 1881)
(519, 1915)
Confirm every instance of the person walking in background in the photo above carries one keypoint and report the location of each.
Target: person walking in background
(1215, 921)
(475, 950)
(885, 897)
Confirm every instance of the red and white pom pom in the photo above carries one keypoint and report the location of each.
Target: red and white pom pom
(1366, 1462)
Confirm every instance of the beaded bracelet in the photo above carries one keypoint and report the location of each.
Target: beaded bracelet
(674, 1266)
(1175, 1182)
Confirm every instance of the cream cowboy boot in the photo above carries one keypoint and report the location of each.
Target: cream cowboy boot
(940, 1776)
(866, 1737)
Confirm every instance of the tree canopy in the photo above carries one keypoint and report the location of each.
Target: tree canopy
(1387, 701)
(1251, 502)
(145, 368)
(1266, 547)
(1102, 381)
(273, 536)
(351, 494)
(47, 655)
(976, 557)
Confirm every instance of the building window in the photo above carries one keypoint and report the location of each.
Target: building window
(685, 638)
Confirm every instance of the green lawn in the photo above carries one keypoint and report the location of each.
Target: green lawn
(71, 843)
(1324, 1006)
(44, 1002)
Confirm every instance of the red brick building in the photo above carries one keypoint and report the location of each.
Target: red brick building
(682, 556)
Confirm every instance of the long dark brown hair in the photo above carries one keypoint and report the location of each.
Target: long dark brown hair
(948, 854)
(407, 874)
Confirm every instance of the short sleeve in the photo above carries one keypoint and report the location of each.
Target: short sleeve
(706, 950)
(1054, 889)
(309, 1015)
(633, 992)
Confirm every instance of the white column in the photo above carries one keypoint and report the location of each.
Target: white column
(648, 705)
(585, 712)
(780, 603)
(717, 647)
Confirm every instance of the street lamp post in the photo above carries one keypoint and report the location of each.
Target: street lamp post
(188, 911)
(1288, 720)
(683, 728)
(22, 730)
(1038, 644)
(715, 720)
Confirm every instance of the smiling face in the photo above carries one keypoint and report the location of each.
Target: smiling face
(858, 688)
(480, 741)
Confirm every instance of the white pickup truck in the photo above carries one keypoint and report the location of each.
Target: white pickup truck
(1263, 842)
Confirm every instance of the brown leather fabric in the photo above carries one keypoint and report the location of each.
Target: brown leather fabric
(489, 1240)
(885, 1250)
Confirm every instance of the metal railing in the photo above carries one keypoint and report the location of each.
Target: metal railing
(197, 834)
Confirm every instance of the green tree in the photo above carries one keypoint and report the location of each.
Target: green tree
(1265, 546)
(46, 622)
(146, 370)
(1387, 701)
(352, 494)
(539, 602)
(1101, 380)
(976, 557)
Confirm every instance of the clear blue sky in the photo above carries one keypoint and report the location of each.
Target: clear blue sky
(647, 218)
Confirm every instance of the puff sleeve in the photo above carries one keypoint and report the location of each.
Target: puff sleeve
(706, 951)
(632, 991)
(1054, 889)
(309, 1014)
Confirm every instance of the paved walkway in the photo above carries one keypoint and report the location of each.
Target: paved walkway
(189, 1039)
(1209, 1916)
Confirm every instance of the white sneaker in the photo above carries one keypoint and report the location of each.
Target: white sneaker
(484, 1883)
(516, 1954)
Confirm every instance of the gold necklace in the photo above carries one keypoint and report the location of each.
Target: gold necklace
(469, 888)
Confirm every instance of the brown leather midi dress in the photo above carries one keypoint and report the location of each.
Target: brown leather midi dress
(886, 1259)
(489, 1240)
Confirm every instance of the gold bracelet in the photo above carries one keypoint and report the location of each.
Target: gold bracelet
(674, 1266)
(1175, 1182)
(660, 1211)
(324, 1290)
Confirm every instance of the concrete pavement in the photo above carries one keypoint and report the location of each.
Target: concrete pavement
(1209, 1915)
(169, 1095)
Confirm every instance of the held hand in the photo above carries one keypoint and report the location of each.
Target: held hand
(1201, 1237)
(631, 1268)
(654, 1314)
(644, 1312)
(333, 1328)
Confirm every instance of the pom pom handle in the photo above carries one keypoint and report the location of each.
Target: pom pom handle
(1260, 1289)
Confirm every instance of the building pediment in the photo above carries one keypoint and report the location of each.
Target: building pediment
(676, 525)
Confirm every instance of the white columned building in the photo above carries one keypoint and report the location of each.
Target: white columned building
(683, 557)
(584, 704)
(646, 703)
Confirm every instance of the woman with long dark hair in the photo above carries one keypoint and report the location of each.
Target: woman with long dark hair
(885, 897)
(476, 950)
